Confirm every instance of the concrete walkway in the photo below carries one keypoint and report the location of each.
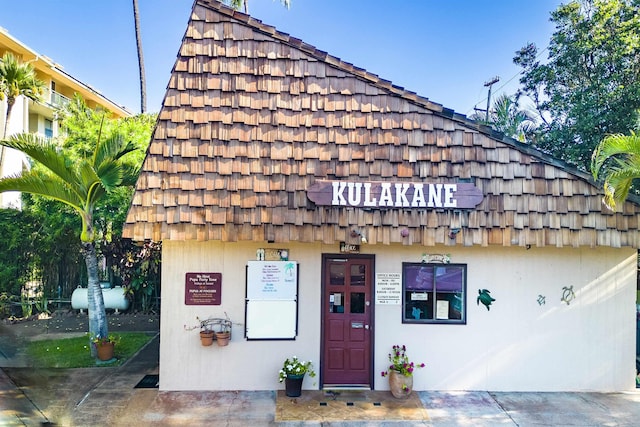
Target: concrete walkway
(107, 397)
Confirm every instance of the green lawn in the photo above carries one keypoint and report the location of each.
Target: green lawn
(75, 352)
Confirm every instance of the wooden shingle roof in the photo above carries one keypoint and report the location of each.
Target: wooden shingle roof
(253, 117)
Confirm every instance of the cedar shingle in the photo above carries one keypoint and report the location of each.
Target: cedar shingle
(252, 117)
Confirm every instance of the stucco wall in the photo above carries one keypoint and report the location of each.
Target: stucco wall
(517, 345)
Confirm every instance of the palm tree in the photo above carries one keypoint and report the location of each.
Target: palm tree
(624, 152)
(16, 79)
(79, 183)
(143, 82)
(237, 4)
(508, 118)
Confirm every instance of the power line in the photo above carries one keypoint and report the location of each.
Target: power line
(489, 84)
(504, 84)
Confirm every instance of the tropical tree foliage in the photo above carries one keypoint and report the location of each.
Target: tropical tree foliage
(138, 269)
(17, 79)
(62, 270)
(617, 159)
(590, 85)
(79, 183)
(507, 117)
(57, 258)
(19, 236)
(244, 4)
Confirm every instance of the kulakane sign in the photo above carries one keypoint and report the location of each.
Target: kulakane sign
(395, 194)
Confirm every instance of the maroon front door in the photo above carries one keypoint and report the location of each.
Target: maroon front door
(347, 311)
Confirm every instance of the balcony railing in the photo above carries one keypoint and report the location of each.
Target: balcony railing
(54, 98)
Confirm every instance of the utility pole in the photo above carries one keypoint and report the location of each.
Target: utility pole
(490, 83)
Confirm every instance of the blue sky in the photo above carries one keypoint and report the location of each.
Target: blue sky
(444, 50)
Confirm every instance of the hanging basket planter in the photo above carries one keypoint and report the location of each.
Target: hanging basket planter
(211, 329)
(222, 338)
(206, 338)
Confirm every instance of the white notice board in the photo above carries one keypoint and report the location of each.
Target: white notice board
(271, 320)
(272, 280)
(271, 310)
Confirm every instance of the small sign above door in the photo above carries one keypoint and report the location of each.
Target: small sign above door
(346, 248)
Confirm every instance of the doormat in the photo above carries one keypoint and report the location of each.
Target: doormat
(315, 405)
(149, 381)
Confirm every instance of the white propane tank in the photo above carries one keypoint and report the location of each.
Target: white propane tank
(114, 298)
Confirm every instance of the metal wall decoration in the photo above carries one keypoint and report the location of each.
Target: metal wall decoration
(567, 294)
(542, 300)
(484, 297)
(271, 254)
(441, 258)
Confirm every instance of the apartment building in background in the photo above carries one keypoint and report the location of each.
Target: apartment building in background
(40, 117)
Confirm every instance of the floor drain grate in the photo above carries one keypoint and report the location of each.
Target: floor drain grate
(149, 381)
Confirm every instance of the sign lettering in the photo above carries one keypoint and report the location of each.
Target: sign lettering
(395, 195)
(203, 289)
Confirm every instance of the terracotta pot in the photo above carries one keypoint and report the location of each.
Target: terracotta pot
(293, 385)
(223, 338)
(105, 350)
(400, 385)
(206, 338)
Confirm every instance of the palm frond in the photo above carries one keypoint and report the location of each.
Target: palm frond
(618, 156)
(112, 149)
(110, 175)
(47, 186)
(44, 152)
(130, 176)
(613, 145)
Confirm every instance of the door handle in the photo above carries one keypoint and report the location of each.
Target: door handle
(366, 327)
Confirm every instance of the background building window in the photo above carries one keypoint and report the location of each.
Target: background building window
(434, 293)
(48, 128)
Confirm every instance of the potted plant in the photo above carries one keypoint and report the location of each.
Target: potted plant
(224, 334)
(213, 327)
(105, 346)
(400, 372)
(206, 335)
(292, 373)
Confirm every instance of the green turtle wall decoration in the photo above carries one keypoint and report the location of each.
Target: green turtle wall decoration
(567, 294)
(484, 297)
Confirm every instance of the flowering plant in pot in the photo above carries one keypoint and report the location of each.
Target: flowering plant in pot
(400, 372)
(105, 346)
(292, 373)
(99, 341)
